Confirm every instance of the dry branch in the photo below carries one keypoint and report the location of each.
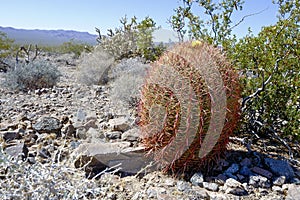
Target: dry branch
(27, 52)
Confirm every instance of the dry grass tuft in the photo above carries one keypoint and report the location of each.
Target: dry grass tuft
(93, 70)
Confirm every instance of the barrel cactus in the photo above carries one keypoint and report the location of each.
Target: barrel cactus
(189, 106)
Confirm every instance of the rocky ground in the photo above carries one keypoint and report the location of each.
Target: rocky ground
(67, 142)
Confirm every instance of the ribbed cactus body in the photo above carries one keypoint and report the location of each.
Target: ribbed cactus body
(189, 106)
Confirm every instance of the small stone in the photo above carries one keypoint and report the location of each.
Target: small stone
(136, 196)
(276, 188)
(246, 186)
(237, 191)
(119, 124)
(246, 162)
(53, 95)
(78, 125)
(197, 179)
(93, 134)
(131, 135)
(295, 181)
(30, 138)
(17, 150)
(152, 193)
(245, 171)
(111, 196)
(44, 153)
(81, 114)
(7, 126)
(74, 144)
(11, 135)
(216, 196)
(113, 135)
(234, 187)
(279, 181)
(69, 130)
(199, 193)
(31, 160)
(263, 191)
(169, 182)
(229, 175)
(90, 124)
(232, 183)
(220, 179)
(240, 177)
(234, 168)
(183, 186)
(285, 186)
(280, 168)
(262, 172)
(48, 125)
(81, 133)
(91, 116)
(259, 182)
(161, 190)
(211, 186)
(293, 192)
(64, 119)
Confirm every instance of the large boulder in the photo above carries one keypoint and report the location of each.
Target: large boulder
(96, 157)
(48, 125)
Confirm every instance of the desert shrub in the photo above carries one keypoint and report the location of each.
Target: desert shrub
(272, 95)
(128, 78)
(31, 76)
(133, 39)
(132, 66)
(94, 67)
(73, 47)
(6, 49)
(5, 45)
(70, 47)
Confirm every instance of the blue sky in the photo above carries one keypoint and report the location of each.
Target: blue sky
(85, 15)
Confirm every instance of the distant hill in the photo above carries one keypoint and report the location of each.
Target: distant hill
(56, 37)
(47, 37)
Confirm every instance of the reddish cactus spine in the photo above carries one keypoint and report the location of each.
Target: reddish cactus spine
(181, 106)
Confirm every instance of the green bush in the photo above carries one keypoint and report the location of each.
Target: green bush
(133, 39)
(5, 45)
(35, 75)
(270, 66)
(6, 49)
(94, 67)
(73, 47)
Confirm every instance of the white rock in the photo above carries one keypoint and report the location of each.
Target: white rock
(119, 124)
(131, 135)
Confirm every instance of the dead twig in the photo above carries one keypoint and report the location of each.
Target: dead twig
(27, 52)
(261, 89)
(246, 16)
